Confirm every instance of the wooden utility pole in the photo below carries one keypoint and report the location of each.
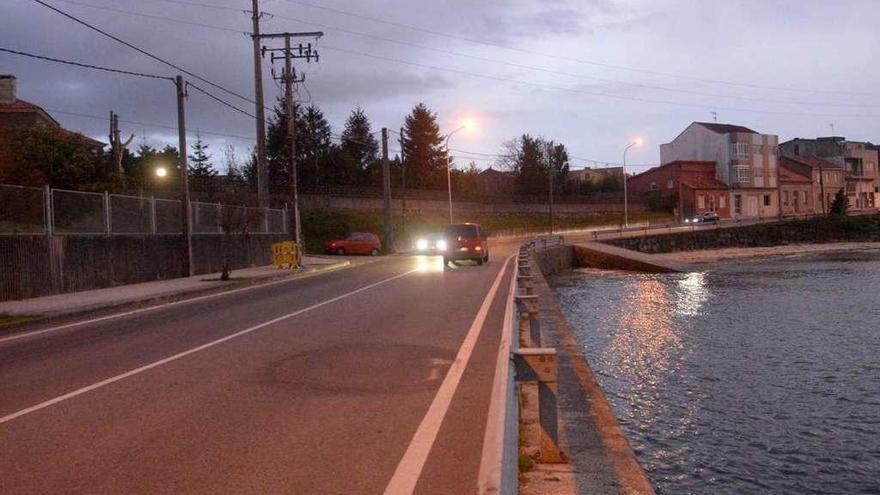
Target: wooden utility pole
(403, 182)
(186, 258)
(289, 79)
(117, 147)
(386, 189)
(551, 201)
(262, 173)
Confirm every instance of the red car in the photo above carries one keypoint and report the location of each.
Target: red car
(355, 243)
(465, 241)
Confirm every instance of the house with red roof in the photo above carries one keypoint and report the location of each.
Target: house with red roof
(18, 115)
(689, 187)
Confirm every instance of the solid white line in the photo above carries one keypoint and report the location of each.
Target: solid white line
(490, 473)
(405, 477)
(194, 350)
(166, 305)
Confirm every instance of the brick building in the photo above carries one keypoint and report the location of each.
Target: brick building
(826, 178)
(689, 186)
(858, 159)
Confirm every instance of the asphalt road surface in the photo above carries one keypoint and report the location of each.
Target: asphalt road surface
(339, 383)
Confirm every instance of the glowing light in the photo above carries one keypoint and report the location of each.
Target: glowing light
(422, 244)
(442, 245)
(429, 264)
(469, 124)
(161, 172)
(638, 141)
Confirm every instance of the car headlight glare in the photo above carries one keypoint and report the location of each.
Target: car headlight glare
(422, 244)
(441, 245)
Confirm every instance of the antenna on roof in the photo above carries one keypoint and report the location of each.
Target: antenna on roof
(714, 116)
(832, 129)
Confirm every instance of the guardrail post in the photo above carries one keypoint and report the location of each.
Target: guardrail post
(537, 368)
(529, 326)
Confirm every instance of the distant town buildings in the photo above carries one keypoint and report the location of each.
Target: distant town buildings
(594, 175)
(740, 173)
(496, 182)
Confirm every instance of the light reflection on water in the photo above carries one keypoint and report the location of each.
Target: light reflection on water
(760, 377)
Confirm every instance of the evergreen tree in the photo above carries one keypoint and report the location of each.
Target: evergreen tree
(200, 167)
(840, 204)
(359, 148)
(424, 156)
(532, 174)
(313, 147)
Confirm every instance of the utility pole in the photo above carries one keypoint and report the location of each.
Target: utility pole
(262, 173)
(289, 79)
(386, 189)
(551, 201)
(117, 147)
(187, 258)
(403, 180)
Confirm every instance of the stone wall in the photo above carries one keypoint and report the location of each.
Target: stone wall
(819, 230)
(34, 266)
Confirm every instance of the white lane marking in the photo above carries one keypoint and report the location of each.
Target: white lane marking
(489, 477)
(405, 477)
(194, 350)
(161, 306)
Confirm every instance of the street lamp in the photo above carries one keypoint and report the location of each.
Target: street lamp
(161, 172)
(466, 125)
(635, 142)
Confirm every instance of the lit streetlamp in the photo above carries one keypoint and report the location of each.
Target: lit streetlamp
(467, 125)
(635, 142)
(161, 172)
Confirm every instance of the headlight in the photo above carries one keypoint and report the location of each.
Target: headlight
(687, 220)
(441, 245)
(422, 244)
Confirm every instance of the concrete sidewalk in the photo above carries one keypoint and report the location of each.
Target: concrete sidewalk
(90, 300)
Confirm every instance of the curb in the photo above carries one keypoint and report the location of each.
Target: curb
(179, 295)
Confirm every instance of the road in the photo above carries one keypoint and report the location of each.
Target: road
(338, 383)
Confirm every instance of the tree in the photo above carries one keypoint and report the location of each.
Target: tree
(840, 204)
(48, 155)
(424, 156)
(535, 160)
(201, 171)
(312, 147)
(359, 148)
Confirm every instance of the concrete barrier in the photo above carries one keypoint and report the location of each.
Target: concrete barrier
(598, 255)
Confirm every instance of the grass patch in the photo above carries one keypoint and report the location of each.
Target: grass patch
(526, 463)
(9, 320)
(320, 226)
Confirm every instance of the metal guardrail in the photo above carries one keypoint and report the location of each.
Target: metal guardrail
(534, 367)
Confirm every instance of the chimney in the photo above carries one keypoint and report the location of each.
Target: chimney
(7, 88)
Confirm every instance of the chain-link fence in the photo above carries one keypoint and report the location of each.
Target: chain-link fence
(23, 210)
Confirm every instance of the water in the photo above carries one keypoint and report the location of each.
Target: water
(751, 377)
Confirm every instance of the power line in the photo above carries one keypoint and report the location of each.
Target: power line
(85, 66)
(141, 50)
(223, 102)
(568, 74)
(569, 59)
(152, 16)
(149, 124)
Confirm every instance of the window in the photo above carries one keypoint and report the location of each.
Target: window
(741, 173)
(653, 186)
(722, 201)
(740, 150)
(785, 198)
(701, 202)
(766, 200)
(669, 184)
(738, 204)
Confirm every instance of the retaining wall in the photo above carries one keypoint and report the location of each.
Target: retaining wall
(852, 229)
(34, 266)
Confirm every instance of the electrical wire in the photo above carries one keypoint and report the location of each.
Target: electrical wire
(142, 51)
(84, 65)
(150, 124)
(569, 59)
(223, 102)
(153, 16)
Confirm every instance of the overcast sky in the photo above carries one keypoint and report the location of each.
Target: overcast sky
(590, 74)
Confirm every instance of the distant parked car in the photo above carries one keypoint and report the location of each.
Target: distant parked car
(355, 243)
(465, 241)
(707, 217)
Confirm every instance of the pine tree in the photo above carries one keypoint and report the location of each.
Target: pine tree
(200, 166)
(359, 148)
(312, 147)
(532, 176)
(424, 155)
(840, 204)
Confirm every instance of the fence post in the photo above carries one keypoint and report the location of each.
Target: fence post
(47, 193)
(108, 228)
(219, 217)
(153, 215)
(52, 246)
(284, 214)
(265, 219)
